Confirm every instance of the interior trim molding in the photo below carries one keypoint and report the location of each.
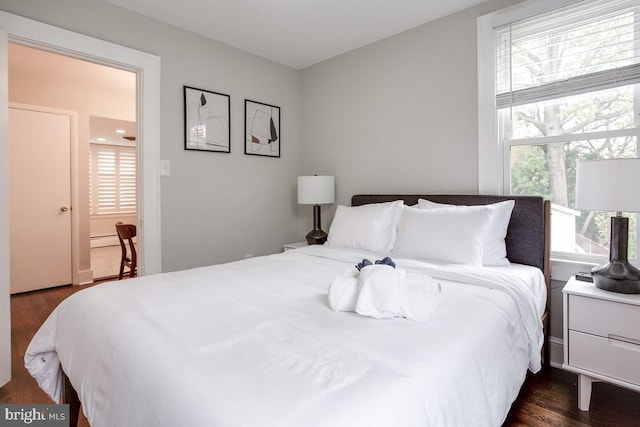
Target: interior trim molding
(147, 68)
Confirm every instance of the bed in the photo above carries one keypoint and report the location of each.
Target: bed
(256, 342)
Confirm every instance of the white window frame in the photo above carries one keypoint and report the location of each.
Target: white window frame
(493, 153)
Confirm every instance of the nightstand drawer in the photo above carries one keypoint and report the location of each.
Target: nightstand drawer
(610, 357)
(604, 318)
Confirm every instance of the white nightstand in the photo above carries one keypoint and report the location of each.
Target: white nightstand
(296, 245)
(601, 337)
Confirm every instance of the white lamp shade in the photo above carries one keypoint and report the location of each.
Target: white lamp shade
(316, 190)
(608, 185)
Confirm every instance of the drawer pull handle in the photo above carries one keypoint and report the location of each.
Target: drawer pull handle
(624, 342)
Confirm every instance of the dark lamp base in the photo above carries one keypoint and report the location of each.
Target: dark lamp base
(316, 237)
(617, 276)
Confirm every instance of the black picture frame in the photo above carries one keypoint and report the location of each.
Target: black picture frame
(261, 129)
(207, 117)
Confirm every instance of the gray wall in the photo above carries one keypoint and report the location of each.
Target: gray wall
(215, 207)
(399, 115)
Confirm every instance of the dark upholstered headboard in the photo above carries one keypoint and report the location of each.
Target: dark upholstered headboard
(527, 236)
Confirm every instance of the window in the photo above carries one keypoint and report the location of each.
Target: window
(112, 174)
(567, 88)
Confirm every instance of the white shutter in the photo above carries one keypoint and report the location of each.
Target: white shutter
(113, 179)
(107, 181)
(127, 179)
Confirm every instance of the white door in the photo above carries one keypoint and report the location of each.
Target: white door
(39, 199)
(5, 305)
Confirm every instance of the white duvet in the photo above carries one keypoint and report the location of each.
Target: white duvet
(254, 343)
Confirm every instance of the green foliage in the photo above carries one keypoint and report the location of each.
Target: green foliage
(530, 175)
(529, 171)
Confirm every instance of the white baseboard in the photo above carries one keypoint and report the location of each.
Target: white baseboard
(102, 241)
(85, 277)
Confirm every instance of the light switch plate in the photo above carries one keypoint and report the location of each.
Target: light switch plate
(165, 167)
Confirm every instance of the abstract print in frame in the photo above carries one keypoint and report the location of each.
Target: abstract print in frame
(206, 120)
(261, 129)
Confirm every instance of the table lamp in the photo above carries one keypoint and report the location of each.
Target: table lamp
(316, 190)
(604, 185)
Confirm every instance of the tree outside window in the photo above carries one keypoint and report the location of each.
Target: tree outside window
(559, 102)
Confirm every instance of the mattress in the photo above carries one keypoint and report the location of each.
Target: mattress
(255, 342)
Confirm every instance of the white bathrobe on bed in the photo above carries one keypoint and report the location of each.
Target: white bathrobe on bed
(382, 291)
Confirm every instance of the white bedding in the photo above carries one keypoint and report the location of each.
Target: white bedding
(254, 343)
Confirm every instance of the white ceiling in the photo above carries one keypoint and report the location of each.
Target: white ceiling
(37, 63)
(297, 33)
(55, 68)
(108, 131)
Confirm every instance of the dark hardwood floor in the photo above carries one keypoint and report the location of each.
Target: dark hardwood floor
(28, 311)
(546, 399)
(549, 398)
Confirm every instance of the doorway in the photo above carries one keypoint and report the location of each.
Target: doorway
(112, 190)
(97, 94)
(147, 69)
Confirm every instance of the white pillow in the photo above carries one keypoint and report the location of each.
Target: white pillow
(452, 235)
(371, 227)
(494, 250)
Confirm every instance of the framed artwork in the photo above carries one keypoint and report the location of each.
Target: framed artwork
(261, 129)
(206, 120)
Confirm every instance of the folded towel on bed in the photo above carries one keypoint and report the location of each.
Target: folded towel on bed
(343, 291)
(383, 292)
(378, 294)
(419, 296)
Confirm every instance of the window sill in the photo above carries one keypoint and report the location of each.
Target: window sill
(563, 269)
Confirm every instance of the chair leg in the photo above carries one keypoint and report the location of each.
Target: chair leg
(121, 271)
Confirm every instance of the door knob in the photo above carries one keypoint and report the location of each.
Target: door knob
(64, 209)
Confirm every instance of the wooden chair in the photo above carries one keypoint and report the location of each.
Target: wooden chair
(126, 232)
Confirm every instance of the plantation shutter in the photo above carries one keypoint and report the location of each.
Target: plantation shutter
(127, 179)
(113, 179)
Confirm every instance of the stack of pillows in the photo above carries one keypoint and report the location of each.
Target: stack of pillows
(471, 235)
